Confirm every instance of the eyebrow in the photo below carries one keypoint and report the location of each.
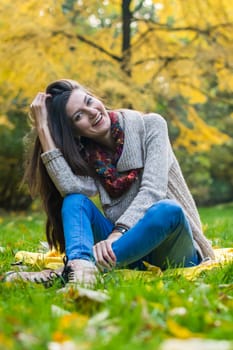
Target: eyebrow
(85, 101)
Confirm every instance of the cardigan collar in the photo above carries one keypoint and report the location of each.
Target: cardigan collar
(132, 156)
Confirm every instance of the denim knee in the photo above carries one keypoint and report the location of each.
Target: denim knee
(166, 212)
(74, 199)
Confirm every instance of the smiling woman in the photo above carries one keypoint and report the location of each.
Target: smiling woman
(83, 149)
(89, 117)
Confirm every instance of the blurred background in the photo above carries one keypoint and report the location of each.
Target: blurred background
(173, 57)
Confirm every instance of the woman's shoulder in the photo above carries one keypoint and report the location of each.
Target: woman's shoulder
(154, 118)
(147, 121)
(148, 117)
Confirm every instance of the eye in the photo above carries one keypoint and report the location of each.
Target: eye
(77, 116)
(89, 101)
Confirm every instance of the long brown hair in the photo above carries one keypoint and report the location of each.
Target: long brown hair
(35, 172)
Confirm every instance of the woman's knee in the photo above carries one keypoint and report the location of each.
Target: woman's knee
(72, 200)
(166, 211)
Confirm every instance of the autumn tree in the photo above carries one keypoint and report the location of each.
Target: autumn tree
(168, 56)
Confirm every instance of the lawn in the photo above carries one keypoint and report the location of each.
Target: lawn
(166, 312)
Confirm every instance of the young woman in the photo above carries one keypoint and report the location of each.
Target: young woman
(83, 149)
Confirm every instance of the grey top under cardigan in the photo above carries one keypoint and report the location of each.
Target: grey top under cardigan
(147, 146)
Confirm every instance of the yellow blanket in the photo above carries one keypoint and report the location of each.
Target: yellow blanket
(54, 260)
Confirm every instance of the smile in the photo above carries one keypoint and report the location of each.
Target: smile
(98, 119)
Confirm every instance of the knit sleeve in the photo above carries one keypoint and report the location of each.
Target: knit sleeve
(158, 160)
(63, 178)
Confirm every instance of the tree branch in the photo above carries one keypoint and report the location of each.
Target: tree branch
(90, 43)
(160, 58)
(138, 7)
(206, 93)
(142, 37)
(166, 27)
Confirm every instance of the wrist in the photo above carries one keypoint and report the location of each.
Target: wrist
(121, 228)
(42, 128)
(45, 137)
(114, 236)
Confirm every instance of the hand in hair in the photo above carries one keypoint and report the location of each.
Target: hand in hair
(38, 110)
(39, 117)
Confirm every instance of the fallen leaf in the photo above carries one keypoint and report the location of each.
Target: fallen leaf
(74, 320)
(195, 344)
(101, 324)
(60, 337)
(68, 345)
(58, 311)
(227, 287)
(98, 318)
(157, 306)
(154, 269)
(27, 339)
(76, 292)
(181, 311)
(5, 342)
(180, 331)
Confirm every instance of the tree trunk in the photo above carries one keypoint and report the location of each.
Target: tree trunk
(126, 36)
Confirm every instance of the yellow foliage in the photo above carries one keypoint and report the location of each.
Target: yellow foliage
(4, 121)
(225, 80)
(201, 137)
(170, 55)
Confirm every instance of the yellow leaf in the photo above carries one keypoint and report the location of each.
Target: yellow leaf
(59, 337)
(5, 342)
(179, 331)
(154, 269)
(73, 319)
(77, 293)
(157, 306)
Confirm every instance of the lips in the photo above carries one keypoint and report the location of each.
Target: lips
(98, 119)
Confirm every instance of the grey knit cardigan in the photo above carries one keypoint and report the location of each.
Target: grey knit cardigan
(147, 146)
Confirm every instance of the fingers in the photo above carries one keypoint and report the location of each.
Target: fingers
(38, 109)
(39, 100)
(104, 254)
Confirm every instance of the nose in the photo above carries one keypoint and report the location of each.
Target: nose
(92, 113)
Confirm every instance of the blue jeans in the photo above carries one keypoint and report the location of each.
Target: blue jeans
(163, 236)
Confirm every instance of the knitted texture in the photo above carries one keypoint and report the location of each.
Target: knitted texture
(147, 146)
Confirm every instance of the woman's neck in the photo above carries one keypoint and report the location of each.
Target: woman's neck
(108, 143)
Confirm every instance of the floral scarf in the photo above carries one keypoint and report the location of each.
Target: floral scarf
(104, 162)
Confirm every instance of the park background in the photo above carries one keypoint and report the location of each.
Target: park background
(172, 57)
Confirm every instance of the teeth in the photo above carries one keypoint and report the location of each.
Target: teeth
(98, 119)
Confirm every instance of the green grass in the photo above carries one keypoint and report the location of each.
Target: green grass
(218, 224)
(140, 313)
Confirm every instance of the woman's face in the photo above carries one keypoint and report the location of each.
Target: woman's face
(88, 116)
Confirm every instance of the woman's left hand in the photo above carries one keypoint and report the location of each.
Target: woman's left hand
(103, 253)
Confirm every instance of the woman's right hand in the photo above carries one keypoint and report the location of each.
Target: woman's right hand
(38, 111)
(39, 117)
